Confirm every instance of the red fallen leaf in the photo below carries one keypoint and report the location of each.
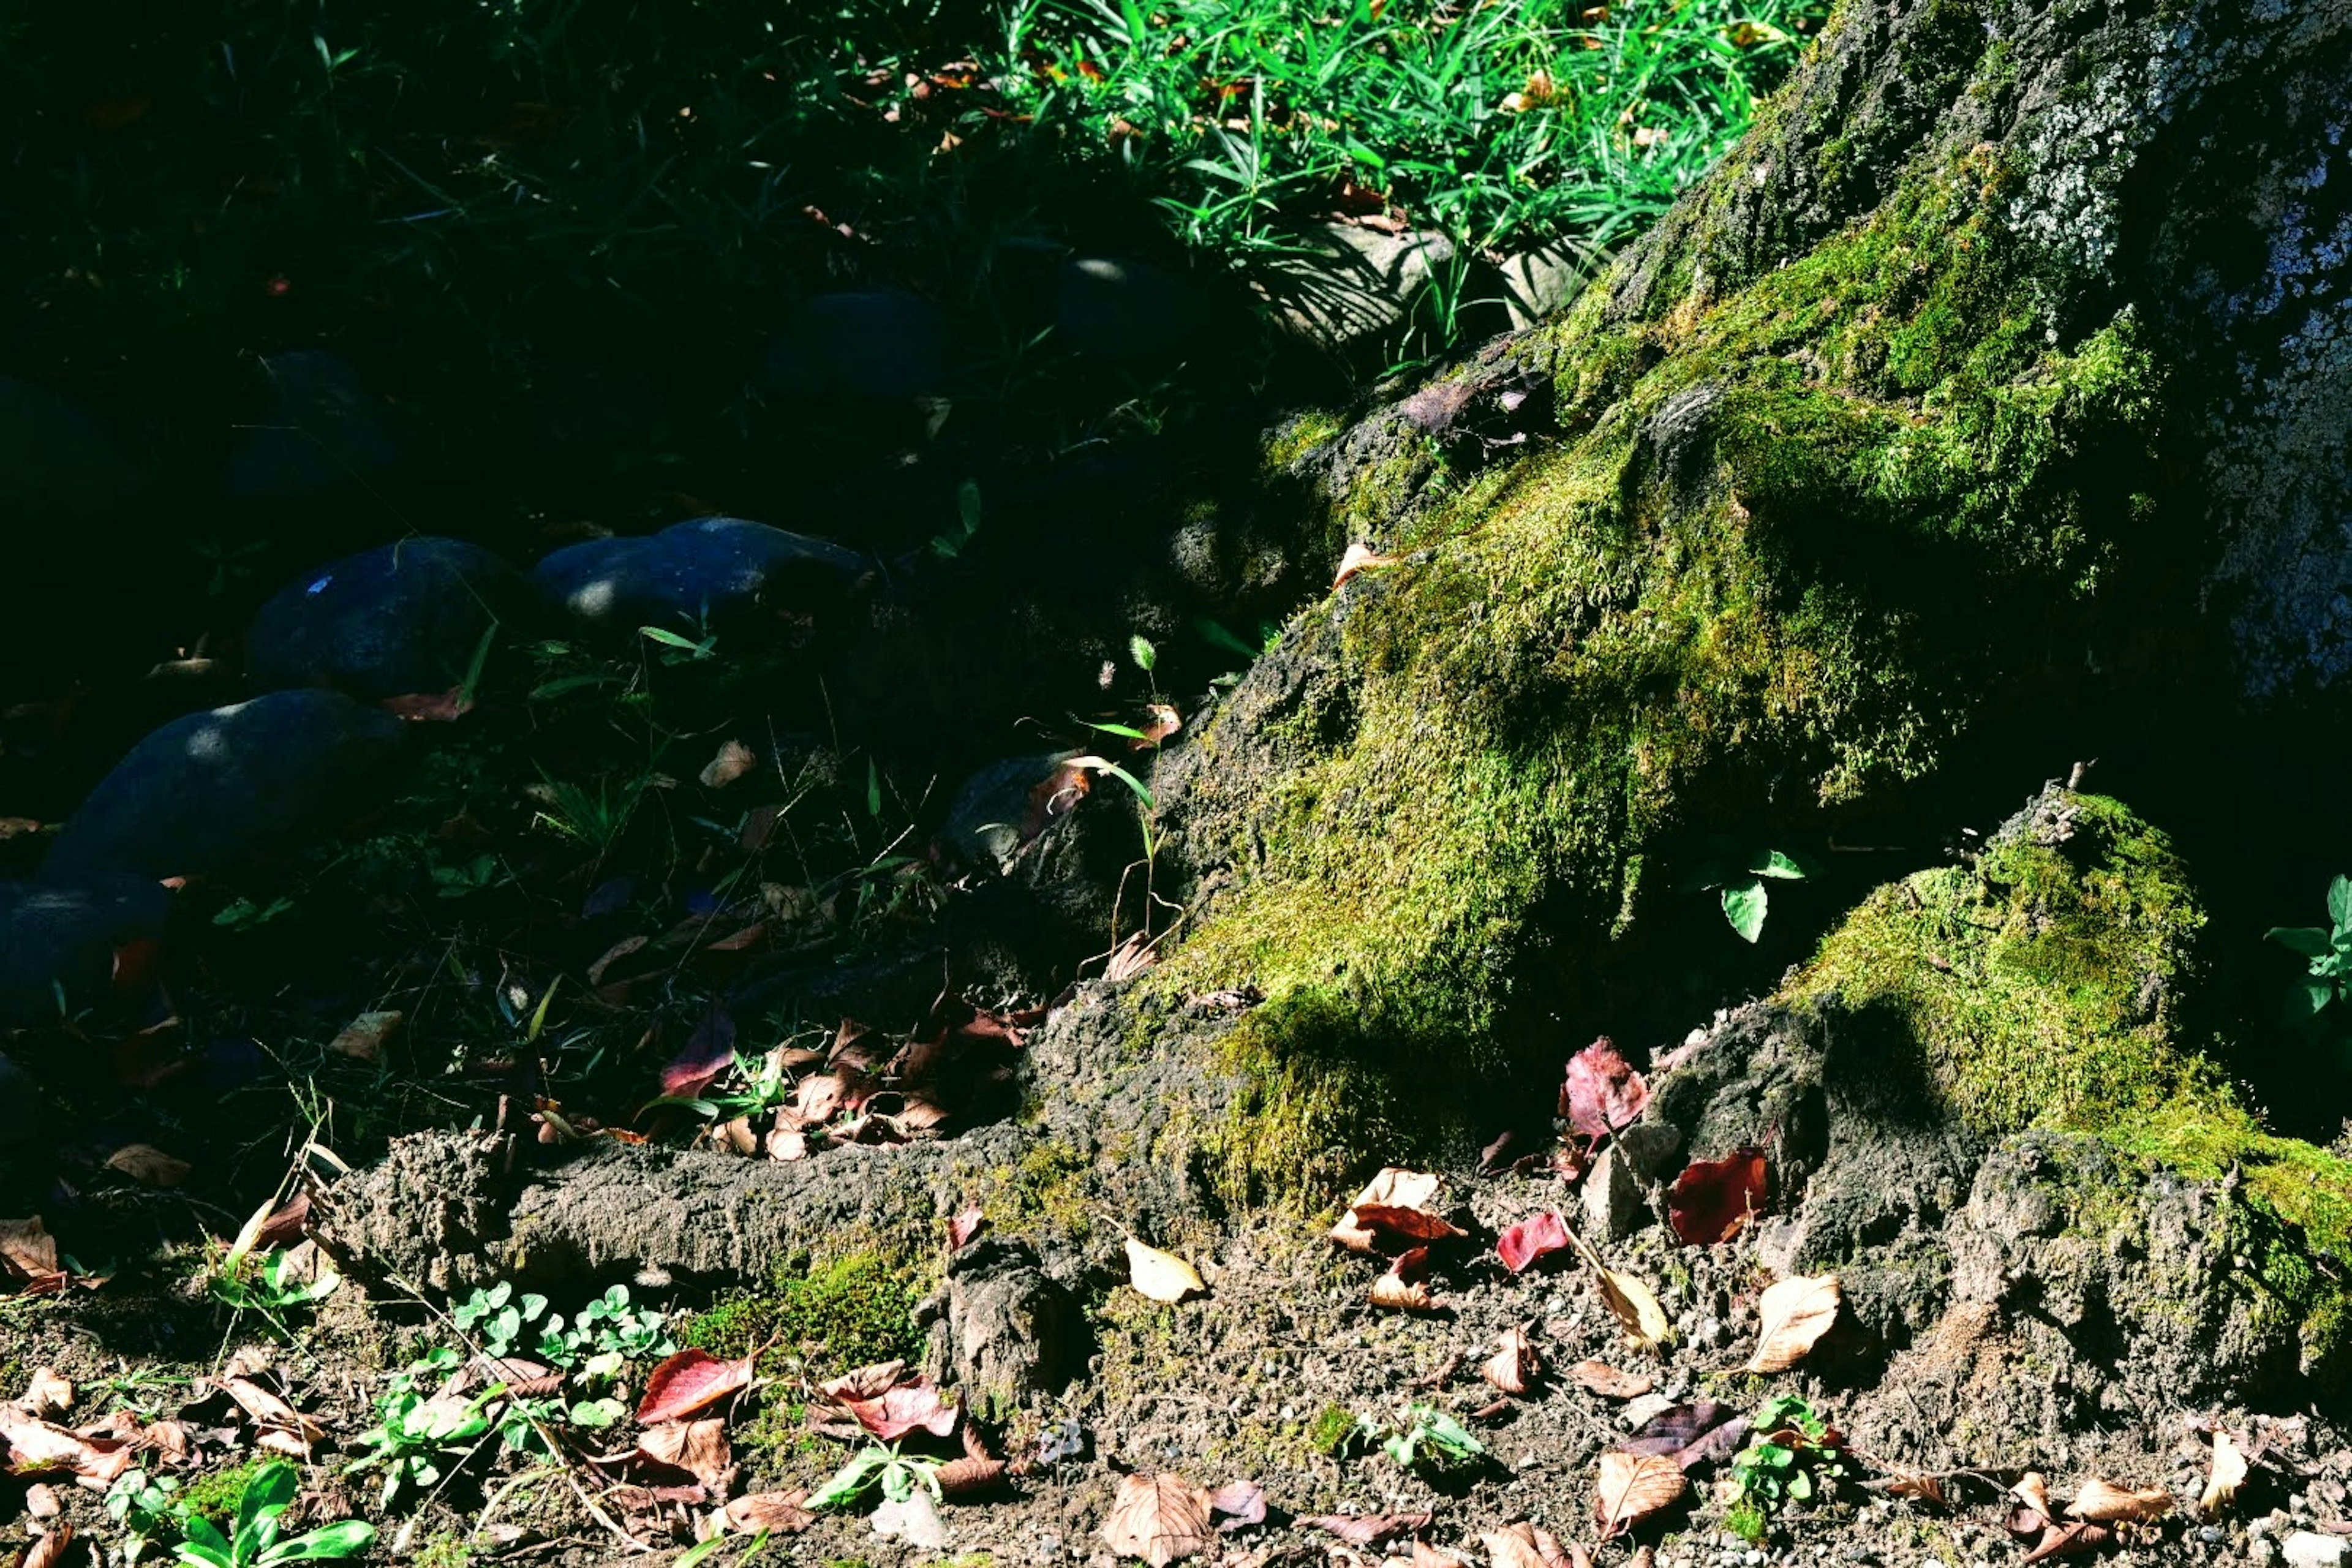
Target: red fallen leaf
(916, 1407)
(1370, 1529)
(964, 1226)
(1159, 721)
(1601, 1093)
(1055, 796)
(710, 1052)
(427, 707)
(1712, 1200)
(689, 1380)
(1396, 1205)
(1532, 1239)
(36, 1447)
(1690, 1434)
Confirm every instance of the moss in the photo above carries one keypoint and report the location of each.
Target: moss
(216, 1493)
(1333, 1431)
(2040, 985)
(1300, 435)
(835, 1316)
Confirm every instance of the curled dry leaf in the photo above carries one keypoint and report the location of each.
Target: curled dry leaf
(914, 1406)
(1599, 1377)
(1633, 1306)
(1158, 1517)
(1161, 1276)
(1396, 1206)
(283, 1429)
(1527, 1546)
(1531, 1241)
(1602, 1092)
(38, 1448)
(734, 760)
(27, 1248)
(698, 1448)
(2032, 1490)
(2103, 1504)
(1424, 1555)
(48, 1392)
(148, 1165)
(971, 1476)
(1405, 1286)
(1694, 1434)
(690, 1380)
(1713, 1200)
(964, 1228)
(780, 1512)
(1796, 1313)
(2076, 1539)
(47, 1551)
(362, 1039)
(1238, 1505)
(1516, 1365)
(1360, 557)
(2224, 1475)
(1632, 1487)
(1370, 1529)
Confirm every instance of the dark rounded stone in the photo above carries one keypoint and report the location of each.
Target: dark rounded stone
(712, 574)
(208, 789)
(1121, 311)
(393, 621)
(321, 431)
(882, 343)
(59, 939)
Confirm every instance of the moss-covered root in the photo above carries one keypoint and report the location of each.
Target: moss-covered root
(2039, 986)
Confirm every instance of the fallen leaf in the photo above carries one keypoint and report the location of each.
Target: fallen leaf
(689, 1380)
(1424, 1555)
(1397, 1205)
(1602, 1092)
(734, 760)
(613, 955)
(1369, 1528)
(1795, 1314)
(1525, 1545)
(27, 1246)
(1532, 1240)
(41, 1500)
(47, 1551)
(283, 1429)
(1693, 1433)
(1921, 1488)
(698, 1448)
(1599, 1377)
(1161, 1276)
(777, 1512)
(966, 1226)
(362, 1039)
(2076, 1540)
(914, 1519)
(1158, 1517)
(1159, 721)
(148, 1165)
(912, 1407)
(710, 1052)
(1713, 1200)
(1238, 1505)
(2224, 1477)
(46, 1393)
(1631, 1301)
(2032, 1490)
(38, 1448)
(2103, 1504)
(1630, 1487)
(1405, 1286)
(1516, 1365)
(430, 707)
(970, 1476)
(1361, 557)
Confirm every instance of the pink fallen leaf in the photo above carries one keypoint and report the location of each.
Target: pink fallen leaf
(916, 1407)
(964, 1228)
(698, 1448)
(1533, 1240)
(1601, 1093)
(1360, 557)
(1238, 1505)
(689, 1380)
(710, 1052)
(780, 1512)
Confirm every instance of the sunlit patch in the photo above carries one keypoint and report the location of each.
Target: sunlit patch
(315, 589)
(594, 600)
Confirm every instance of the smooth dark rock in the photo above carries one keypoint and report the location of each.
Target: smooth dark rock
(711, 574)
(58, 941)
(1121, 311)
(881, 343)
(59, 464)
(400, 619)
(322, 430)
(205, 791)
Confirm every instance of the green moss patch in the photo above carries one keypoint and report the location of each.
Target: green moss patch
(834, 1317)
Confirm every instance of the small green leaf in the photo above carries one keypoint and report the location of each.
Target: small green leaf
(1216, 636)
(1772, 863)
(669, 639)
(1744, 904)
(850, 1480)
(693, 1554)
(348, 1539)
(2307, 942)
(2339, 902)
(873, 790)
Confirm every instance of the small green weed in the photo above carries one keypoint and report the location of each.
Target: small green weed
(151, 1508)
(1427, 1440)
(1740, 885)
(899, 1475)
(268, 1287)
(2320, 998)
(1793, 1451)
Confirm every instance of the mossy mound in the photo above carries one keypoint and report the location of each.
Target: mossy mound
(832, 1318)
(2041, 985)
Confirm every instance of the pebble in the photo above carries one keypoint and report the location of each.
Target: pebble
(2307, 1549)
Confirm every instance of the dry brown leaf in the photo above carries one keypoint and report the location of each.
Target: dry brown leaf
(46, 1393)
(27, 1246)
(47, 1551)
(363, 1038)
(2076, 1539)
(2224, 1475)
(41, 1500)
(1405, 1286)
(1796, 1313)
(698, 1448)
(1424, 1555)
(1158, 1517)
(1360, 557)
(1523, 1545)
(148, 1165)
(283, 1429)
(970, 1476)
(1369, 1528)
(2032, 1490)
(39, 1448)
(734, 760)
(779, 1511)
(613, 955)
(1644, 1321)
(2103, 1504)
(1397, 1205)
(1599, 1377)
(1161, 1276)
(1514, 1366)
(1632, 1487)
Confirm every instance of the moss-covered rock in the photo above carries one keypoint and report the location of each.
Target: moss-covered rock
(1872, 435)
